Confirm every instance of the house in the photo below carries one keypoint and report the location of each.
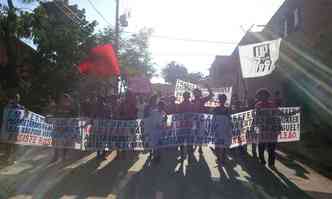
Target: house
(304, 26)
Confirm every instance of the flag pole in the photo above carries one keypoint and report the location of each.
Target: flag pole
(245, 87)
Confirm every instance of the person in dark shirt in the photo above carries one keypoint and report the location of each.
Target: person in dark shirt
(277, 99)
(221, 110)
(13, 103)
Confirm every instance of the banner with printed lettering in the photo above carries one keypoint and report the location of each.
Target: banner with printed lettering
(25, 127)
(183, 129)
(67, 132)
(115, 134)
(214, 102)
(266, 125)
(139, 84)
(157, 131)
(259, 59)
(182, 86)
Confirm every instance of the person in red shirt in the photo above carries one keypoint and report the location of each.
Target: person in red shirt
(128, 109)
(199, 101)
(198, 104)
(263, 96)
(172, 106)
(186, 106)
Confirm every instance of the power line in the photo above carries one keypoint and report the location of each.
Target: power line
(99, 13)
(153, 35)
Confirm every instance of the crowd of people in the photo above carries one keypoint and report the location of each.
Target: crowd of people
(132, 106)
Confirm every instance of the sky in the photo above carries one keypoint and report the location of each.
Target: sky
(216, 26)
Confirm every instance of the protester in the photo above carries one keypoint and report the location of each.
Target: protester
(277, 99)
(157, 115)
(65, 108)
(263, 96)
(140, 107)
(221, 110)
(14, 99)
(237, 108)
(185, 107)
(172, 106)
(100, 112)
(150, 106)
(127, 109)
(198, 104)
(199, 101)
(251, 105)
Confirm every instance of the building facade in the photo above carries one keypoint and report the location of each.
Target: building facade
(304, 26)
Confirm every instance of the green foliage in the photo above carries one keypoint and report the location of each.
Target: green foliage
(134, 55)
(174, 71)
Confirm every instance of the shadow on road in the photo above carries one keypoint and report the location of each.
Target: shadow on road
(137, 177)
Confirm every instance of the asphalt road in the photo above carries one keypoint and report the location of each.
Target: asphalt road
(137, 177)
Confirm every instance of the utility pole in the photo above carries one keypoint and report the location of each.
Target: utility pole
(116, 44)
(117, 26)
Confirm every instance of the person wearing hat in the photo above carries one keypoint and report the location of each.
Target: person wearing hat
(263, 101)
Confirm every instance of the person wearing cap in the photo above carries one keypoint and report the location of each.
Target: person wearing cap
(263, 101)
(221, 110)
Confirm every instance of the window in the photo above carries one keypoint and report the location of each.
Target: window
(296, 17)
(285, 33)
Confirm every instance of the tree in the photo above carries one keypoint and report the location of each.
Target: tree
(174, 71)
(195, 77)
(14, 24)
(62, 42)
(133, 52)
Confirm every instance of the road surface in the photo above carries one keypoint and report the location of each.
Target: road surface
(137, 177)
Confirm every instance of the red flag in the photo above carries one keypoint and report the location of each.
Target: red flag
(102, 61)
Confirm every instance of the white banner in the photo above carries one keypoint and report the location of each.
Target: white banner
(259, 59)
